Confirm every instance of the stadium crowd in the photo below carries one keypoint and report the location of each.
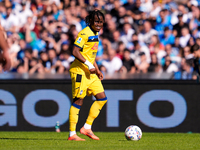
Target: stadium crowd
(138, 36)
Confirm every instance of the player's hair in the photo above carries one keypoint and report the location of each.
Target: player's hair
(90, 18)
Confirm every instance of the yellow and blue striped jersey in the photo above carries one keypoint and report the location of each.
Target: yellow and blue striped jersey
(88, 41)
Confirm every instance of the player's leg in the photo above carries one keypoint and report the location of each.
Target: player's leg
(96, 107)
(97, 89)
(73, 119)
(78, 95)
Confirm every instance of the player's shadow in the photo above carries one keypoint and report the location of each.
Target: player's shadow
(122, 140)
(29, 139)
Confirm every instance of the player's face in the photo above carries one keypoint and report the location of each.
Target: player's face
(98, 23)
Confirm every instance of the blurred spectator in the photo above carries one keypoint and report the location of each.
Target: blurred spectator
(147, 34)
(90, 6)
(169, 67)
(127, 33)
(162, 21)
(173, 56)
(24, 14)
(186, 73)
(120, 50)
(110, 29)
(185, 36)
(66, 59)
(178, 27)
(138, 22)
(115, 11)
(182, 9)
(44, 60)
(155, 9)
(143, 65)
(83, 14)
(38, 26)
(194, 22)
(28, 53)
(71, 20)
(43, 32)
(58, 67)
(136, 56)
(123, 18)
(156, 44)
(196, 64)
(129, 6)
(34, 65)
(2, 10)
(168, 37)
(65, 46)
(11, 22)
(154, 66)
(146, 6)
(29, 36)
(38, 8)
(23, 45)
(14, 48)
(65, 4)
(23, 67)
(113, 64)
(52, 58)
(137, 6)
(56, 12)
(116, 39)
(187, 54)
(198, 41)
(128, 63)
(191, 41)
(176, 46)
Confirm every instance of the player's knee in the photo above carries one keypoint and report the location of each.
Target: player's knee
(100, 96)
(78, 101)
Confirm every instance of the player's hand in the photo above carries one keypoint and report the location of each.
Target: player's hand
(100, 74)
(93, 71)
(7, 62)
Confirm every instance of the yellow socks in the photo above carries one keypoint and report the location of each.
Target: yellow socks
(95, 110)
(73, 116)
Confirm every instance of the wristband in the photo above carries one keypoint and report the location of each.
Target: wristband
(90, 66)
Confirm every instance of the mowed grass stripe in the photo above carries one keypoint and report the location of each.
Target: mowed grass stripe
(108, 141)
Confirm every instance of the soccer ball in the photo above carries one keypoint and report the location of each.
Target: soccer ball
(133, 133)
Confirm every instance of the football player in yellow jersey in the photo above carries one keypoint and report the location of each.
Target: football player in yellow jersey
(86, 76)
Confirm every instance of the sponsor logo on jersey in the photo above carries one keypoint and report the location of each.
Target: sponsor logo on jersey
(95, 46)
(93, 38)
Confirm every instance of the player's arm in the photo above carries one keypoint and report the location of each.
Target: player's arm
(98, 72)
(77, 54)
(4, 47)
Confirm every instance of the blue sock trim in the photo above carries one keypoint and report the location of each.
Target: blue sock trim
(77, 106)
(102, 99)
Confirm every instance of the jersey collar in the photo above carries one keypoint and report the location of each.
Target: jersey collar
(95, 32)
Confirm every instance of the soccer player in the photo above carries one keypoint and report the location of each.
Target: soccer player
(5, 58)
(86, 76)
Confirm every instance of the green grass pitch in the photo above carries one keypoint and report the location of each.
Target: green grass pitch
(108, 141)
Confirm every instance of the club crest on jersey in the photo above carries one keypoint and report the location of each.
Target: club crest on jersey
(79, 40)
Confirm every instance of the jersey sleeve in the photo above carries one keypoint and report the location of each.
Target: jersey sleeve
(81, 39)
